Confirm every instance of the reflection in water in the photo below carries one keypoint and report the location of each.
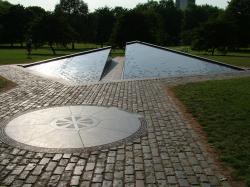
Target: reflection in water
(145, 61)
(78, 69)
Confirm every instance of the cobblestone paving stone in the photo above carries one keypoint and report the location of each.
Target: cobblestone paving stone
(169, 155)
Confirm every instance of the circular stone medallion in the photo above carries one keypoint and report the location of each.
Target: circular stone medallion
(75, 122)
(59, 129)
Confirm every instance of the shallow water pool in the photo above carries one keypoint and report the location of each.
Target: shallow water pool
(76, 70)
(144, 61)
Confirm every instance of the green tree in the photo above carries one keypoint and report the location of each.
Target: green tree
(118, 13)
(170, 22)
(4, 8)
(76, 12)
(72, 7)
(132, 26)
(218, 34)
(238, 12)
(152, 19)
(105, 20)
(194, 16)
(14, 24)
(34, 14)
(157, 22)
(52, 29)
(89, 34)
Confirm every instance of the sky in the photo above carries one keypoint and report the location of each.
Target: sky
(94, 4)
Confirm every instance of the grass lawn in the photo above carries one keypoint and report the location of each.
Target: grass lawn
(241, 58)
(5, 84)
(223, 110)
(18, 55)
(117, 52)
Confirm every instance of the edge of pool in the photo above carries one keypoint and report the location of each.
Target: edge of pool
(63, 57)
(189, 55)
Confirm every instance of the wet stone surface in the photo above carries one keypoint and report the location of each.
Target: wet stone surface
(169, 155)
(146, 61)
(75, 70)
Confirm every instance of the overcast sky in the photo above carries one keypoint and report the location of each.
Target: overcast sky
(94, 4)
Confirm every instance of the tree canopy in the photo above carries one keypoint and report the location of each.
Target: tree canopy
(72, 7)
(160, 22)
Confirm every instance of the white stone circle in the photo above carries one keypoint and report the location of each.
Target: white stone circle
(72, 127)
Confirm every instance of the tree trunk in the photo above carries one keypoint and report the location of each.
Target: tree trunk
(73, 45)
(52, 48)
(226, 50)
(213, 51)
(65, 46)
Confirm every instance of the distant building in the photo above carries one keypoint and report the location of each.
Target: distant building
(183, 4)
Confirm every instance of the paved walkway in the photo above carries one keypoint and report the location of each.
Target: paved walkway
(169, 155)
(115, 70)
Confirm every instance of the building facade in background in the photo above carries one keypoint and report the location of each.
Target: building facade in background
(183, 4)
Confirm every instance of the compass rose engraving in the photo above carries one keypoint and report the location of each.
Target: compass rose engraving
(75, 122)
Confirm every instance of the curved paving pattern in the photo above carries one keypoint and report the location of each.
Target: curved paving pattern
(72, 128)
(169, 155)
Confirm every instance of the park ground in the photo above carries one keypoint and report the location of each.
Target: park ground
(239, 58)
(5, 84)
(18, 55)
(220, 107)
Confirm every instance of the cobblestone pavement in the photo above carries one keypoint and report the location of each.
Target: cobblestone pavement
(169, 155)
